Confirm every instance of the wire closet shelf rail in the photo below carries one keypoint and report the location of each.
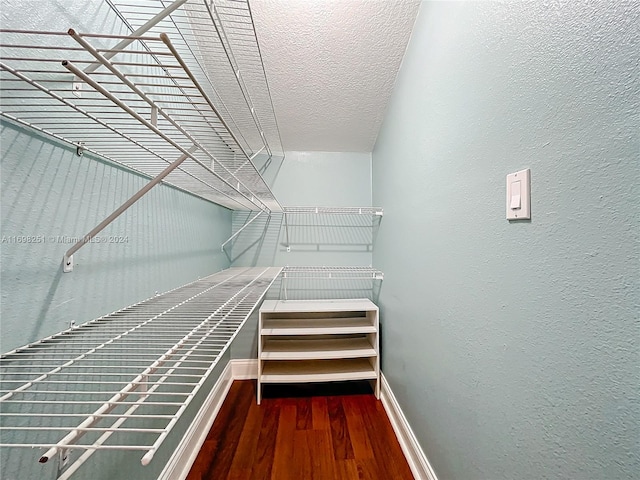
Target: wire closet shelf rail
(142, 106)
(122, 381)
(293, 274)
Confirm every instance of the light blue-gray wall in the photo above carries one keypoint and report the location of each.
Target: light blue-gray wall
(513, 347)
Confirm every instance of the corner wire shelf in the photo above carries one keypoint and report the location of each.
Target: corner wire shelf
(219, 37)
(373, 211)
(122, 381)
(333, 273)
(142, 107)
(327, 273)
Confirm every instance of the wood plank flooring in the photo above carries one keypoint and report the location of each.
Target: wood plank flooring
(311, 432)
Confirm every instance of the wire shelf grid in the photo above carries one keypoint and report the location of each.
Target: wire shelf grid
(142, 107)
(219, 37)
(129, 374)
(374, 211)
(332, 273)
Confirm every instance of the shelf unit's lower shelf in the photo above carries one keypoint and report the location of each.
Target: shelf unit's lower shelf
(308, 341)
(318, 349)
(307, 371)
(317, 326)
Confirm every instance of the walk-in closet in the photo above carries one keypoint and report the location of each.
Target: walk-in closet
(319, 239)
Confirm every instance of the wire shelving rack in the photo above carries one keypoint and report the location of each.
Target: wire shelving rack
(219, 38)
(129, 374)
(346, 275)
(373, 211)
(142, 106)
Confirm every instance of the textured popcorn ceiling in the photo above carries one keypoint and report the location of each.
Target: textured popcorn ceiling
(331, 66)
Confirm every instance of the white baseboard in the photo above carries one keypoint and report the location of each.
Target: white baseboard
(244, 369)
(185, 454)
(179, 465)
(418, 462)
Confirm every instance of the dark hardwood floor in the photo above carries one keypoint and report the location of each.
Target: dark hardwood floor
(319, 432)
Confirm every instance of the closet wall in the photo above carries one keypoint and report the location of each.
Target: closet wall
(512, 347)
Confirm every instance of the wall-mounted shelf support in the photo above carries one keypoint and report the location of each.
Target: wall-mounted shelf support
(67, 265)
(241, 229)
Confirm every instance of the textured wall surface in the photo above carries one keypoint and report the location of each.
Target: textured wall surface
(513, 347)
(331, 66)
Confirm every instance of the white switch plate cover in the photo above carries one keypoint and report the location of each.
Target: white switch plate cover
(523, 180)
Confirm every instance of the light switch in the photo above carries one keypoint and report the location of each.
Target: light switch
(518, 195)
(515, 196)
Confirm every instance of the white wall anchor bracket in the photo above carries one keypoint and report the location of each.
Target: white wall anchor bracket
(76, 87)
(63, 460)
(67, 264)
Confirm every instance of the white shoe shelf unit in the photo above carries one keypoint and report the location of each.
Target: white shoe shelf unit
(302, 341)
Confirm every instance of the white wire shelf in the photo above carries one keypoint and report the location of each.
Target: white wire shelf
(129, 374)
(219, 37)
(143, 106)
(332, 273)
(315, 282)
(373, 211)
